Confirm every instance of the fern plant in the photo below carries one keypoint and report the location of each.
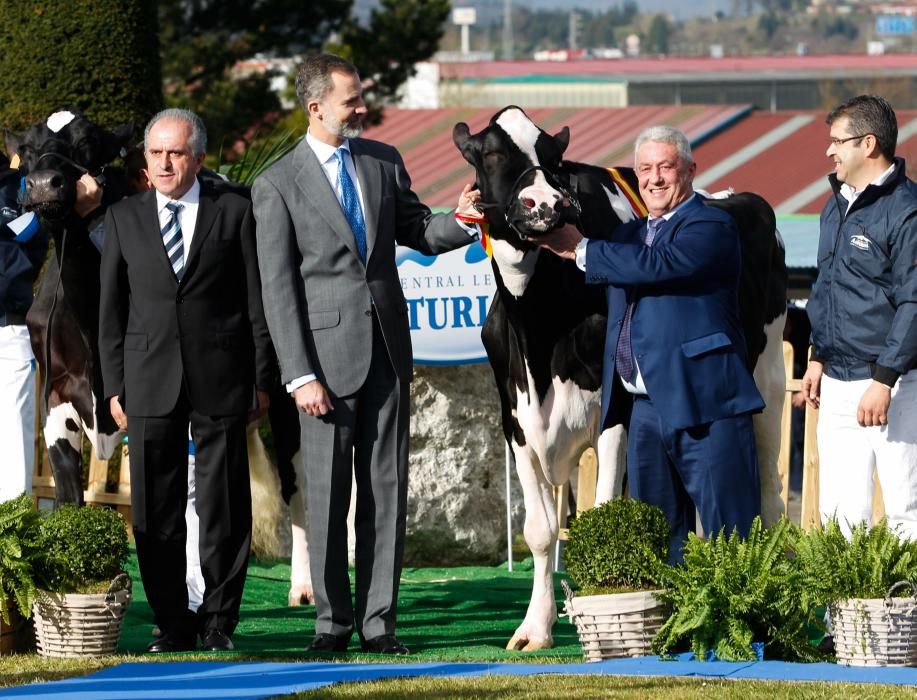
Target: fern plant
(18, 544)
(730, 592)
(865, 565)
(257, 157)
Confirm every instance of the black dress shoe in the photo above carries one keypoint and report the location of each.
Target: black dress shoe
(384, 644)
(216, 640)
(328, 642)
(166, 643)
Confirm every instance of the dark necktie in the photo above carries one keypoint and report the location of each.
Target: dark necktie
(624, 352)
(172, 240)
(351, 204)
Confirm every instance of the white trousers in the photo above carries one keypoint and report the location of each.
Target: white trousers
(17, 412)
(194, 577)
(848, 452)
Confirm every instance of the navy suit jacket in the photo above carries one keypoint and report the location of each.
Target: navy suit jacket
(685, 329)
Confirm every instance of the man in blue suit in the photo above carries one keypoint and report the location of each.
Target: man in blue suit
(675, 343)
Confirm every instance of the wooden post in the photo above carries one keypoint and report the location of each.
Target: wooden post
(586, 481)
(786, 423)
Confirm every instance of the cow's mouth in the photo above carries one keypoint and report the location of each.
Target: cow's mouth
(534, 222)
(52, 211)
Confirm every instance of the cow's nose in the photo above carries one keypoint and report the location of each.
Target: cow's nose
(44, 180)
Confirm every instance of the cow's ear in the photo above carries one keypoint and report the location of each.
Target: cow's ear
(562, 138)
(13, 142)
(460, 134)
(124, 134)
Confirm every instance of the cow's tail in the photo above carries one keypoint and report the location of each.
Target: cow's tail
(267, 504)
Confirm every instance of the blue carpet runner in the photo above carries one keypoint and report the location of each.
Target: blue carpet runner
(198, 680)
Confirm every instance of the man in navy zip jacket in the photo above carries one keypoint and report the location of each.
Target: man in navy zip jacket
(675, 342)
(863, 311)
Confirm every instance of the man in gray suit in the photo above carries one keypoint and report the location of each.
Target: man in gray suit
(329, 215)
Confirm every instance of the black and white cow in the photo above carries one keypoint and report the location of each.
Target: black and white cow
(545, 329)
(63, 319)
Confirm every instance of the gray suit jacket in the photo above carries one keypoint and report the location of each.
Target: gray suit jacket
(318, 295)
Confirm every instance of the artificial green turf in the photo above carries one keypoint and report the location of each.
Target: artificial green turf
(454, 614)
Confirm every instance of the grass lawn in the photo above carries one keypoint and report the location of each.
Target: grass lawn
(457, 614)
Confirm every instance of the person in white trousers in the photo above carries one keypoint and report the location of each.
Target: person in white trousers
(863, 309)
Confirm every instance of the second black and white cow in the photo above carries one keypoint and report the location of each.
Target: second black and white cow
(545, 329)
(63, 319)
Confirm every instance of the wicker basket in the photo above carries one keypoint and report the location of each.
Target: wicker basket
(81, 624)
(876, 631)
(615, 624)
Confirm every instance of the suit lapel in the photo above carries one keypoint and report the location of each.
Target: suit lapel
(370, 176)
(207, 209)
(312, 181)
(151, 236)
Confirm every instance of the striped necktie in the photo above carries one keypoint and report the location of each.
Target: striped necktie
(172, 240)
(351, 204)
(624, 351)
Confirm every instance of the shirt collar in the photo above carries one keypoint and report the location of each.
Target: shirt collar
(192, 196)
(323, 151)
(669, 214)
(848, 193)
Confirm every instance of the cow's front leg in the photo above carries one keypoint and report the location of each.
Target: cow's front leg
(63, 438)
(611, 454)
(301, 592)
(540, 535)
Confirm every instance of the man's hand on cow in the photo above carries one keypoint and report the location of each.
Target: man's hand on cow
(561, 241)
(264, 403)
(811, 383)
(312, 399)
(114, 406)
(467, 202)
(88, 196)
(873, 408)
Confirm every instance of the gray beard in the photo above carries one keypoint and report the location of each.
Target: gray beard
(342, 130)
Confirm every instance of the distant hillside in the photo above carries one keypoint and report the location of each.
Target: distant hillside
(491, 11)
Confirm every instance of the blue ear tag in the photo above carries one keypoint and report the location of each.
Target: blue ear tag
(24, 227)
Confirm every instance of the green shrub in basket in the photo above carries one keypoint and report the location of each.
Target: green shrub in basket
(18, 546)
(81, 549)
(617, 547)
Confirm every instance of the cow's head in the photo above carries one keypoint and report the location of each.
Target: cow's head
(56, 153)
(517, 166)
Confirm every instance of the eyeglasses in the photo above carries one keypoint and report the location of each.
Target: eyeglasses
(838, 142)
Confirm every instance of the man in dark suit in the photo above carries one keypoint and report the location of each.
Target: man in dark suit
(675, 342)
(329, 216)
(183, 339)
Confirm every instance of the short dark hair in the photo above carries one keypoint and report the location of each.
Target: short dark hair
(870, 114)
(313, 79)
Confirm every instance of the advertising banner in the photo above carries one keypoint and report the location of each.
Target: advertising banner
(447, 299)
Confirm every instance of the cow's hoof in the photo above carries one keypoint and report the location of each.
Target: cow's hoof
(518, 643)
(301, 596)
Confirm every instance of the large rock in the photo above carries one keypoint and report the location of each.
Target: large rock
(457, 485)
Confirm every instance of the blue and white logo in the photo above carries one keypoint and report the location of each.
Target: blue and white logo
(447, 299)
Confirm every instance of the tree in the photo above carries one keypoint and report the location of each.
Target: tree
(399, 35)
(657, 38)
(98, 56)
(203, 39)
